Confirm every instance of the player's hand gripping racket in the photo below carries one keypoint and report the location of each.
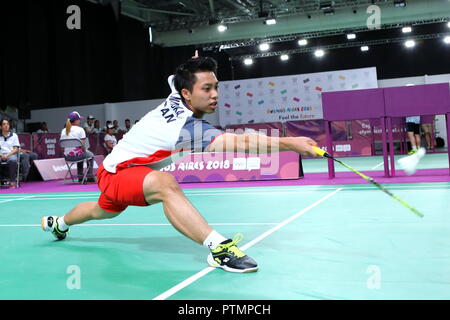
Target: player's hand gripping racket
(324, 154)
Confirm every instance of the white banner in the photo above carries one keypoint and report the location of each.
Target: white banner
(286, 98)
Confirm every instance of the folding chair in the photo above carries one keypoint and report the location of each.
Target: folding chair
(72, 160)
(4, 164)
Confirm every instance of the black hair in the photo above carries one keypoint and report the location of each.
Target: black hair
(9, 122)
(185, 73)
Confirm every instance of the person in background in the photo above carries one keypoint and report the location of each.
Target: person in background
(97, 126)
(127, 126)
(26, 158)
(74, 131)
(413, 130)
(9, 147)
(43, 128)
(89, 125)
(115, 126)
(426, 124)
(106, 125)
(110, 140)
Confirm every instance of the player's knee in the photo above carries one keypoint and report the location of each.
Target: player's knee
(160, 184)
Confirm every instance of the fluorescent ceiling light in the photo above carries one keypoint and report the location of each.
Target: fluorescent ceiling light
(410, 43)
(284, 57)
(406, 29)
(222, 27)
(319, 53)
(248, 61)
(351, 36)
(399, 3)
(264, 46)
(364, 48)
(270, 21)
(302, 42)
(447, 39)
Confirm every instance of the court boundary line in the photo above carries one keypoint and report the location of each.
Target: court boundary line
(148, 224)
(168, 293)
(67, 196)
(14, 199)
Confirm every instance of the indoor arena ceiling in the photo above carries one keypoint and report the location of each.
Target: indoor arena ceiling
(194, 22)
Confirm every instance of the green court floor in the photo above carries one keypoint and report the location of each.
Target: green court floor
(311, 242)
(375, 163)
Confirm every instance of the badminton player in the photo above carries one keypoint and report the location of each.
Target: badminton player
(126, 177)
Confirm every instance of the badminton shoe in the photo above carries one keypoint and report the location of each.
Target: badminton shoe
(412, 151)
(50, 223)
(228, 257)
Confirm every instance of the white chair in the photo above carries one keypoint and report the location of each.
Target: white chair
(72, 160)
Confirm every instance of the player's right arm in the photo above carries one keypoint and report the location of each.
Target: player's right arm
(258, 143)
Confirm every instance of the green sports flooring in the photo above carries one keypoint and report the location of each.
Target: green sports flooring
(311, 242)
(375, 163)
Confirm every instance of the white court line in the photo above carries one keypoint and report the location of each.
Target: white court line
(298, 190)
(15, 199)
(265, 192)
(377, 165)
(207, 270)
(148, 224)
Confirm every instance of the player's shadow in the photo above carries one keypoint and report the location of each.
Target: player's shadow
(169, 244)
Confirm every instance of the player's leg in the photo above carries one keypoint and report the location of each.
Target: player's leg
(162, 187)
(85, 211)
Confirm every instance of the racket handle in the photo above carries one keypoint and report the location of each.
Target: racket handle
(319, 151)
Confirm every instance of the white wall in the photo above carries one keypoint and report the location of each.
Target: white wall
(401, 82)
(133, 110)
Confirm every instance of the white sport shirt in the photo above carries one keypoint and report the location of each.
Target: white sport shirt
(8, 143)
(167, 129)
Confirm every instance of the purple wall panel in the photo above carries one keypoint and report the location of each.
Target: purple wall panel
(353, 104)
(425, 99)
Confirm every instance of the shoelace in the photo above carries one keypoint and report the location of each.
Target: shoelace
(231, 246)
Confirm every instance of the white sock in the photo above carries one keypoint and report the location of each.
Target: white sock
(213, 240)
(62, 226)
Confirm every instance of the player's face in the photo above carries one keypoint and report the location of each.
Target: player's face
(204, 95)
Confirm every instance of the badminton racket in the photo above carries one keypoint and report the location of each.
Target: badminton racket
(324, 154)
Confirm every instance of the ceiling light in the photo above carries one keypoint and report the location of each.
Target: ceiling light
(364, 48)
(248, 61)
(270, 21)
(302, 42)
(324, 5)
(448, 24)
(222, 27)
(284, 57)
(264, 46)
(406, 29)
(410, 43)
(351, 36)
(399, 3)
(447, 39)
(319, 53)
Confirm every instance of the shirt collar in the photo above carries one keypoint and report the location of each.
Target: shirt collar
(8, 136)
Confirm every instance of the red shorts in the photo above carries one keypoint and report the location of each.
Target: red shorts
(121, 189)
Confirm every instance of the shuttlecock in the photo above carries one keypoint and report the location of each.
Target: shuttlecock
(409, 163)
